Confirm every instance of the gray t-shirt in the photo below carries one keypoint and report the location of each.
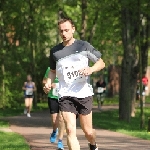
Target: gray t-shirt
(67, 60)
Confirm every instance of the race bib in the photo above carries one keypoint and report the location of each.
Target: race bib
(29, 91)
(100, 90)
(72, 74)
(55, 90)
(146, 88)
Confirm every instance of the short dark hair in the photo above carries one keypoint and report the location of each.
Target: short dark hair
(62, 20)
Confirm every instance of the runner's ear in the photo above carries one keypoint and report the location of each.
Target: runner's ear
(73, 29)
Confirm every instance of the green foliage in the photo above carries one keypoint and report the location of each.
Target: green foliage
(32, 25)
(28, 29)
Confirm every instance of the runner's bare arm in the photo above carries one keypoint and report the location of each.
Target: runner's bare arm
(44, 81)
(50, 80)
(24, 86)
(34, 87)
(99, 65)
(53, 85)
(45, 76)
(96, 67)
(51, 75)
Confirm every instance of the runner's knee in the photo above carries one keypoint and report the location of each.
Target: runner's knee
(71, 130)
(54, 122)
(61, 119)
(89, 133)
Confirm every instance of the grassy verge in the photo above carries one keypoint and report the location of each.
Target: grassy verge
(115, 100)
(4, 124)
(17, 111)
(12, 141)
(109, 120)
(108, 101)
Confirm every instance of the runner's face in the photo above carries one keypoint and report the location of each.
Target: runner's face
(29, 78)
(66, 31)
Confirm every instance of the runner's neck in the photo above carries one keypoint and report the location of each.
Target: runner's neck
(68, 43)
(29, 82)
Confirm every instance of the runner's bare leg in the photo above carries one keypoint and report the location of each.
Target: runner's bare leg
(70, 123)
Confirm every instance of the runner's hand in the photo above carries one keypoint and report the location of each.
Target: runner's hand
(47, 86)
(86, 71)
(53, 85)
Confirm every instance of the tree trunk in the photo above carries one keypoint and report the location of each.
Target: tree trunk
(145, 33)
(34, 73)
(84, 19)
(59, 14)
(143, 55)
(129, 62)
(125, 91)
(3, 85)
(92, 31)
(33, 47)
(133, 95)
(2, 38)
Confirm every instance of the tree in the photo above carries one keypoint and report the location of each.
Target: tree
(133, 13)
(25, 35)
(129, 20)
(28, 31)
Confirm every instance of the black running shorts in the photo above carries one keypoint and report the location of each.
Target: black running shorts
(76, 105)
(28, 96)
(53, 105)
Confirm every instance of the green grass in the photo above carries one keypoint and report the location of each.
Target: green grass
(108, 101)
(17, 111)
(114, 100)
(147, 99)
(109, 120)
(4, 124)
(12, 141)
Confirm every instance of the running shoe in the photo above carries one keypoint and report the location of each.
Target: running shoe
(90, 147)
(28, 115)
(60, 146)
(53, 136)
(25, 111)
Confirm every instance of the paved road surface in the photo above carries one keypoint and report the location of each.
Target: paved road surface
(37, 130)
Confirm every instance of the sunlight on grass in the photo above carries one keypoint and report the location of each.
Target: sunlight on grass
(141, 134)
(108, 101)
(17, 111)
(115, 100)
(109, 120)
(12, 141)
(147, 99)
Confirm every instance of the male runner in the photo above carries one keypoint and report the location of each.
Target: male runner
(101, 89)
(57, 120)
(69, 61)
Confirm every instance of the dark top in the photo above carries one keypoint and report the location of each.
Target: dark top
(103, 85)
(79, 46)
